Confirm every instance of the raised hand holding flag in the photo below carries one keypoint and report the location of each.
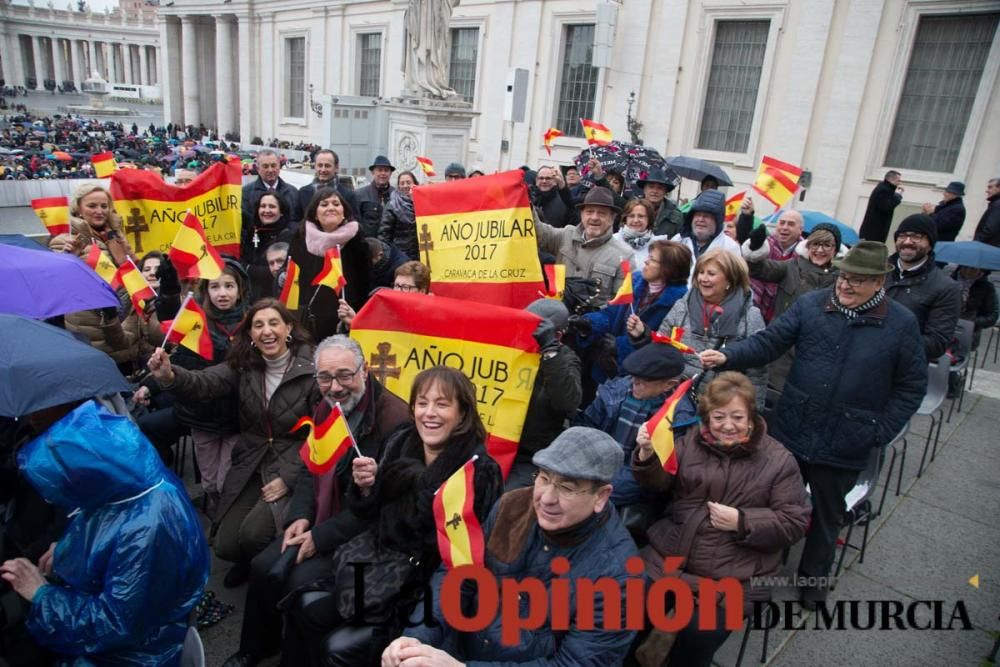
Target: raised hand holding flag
(327, 441)
(661, 428)
(332, 274)
(189, 328)
(192, 254)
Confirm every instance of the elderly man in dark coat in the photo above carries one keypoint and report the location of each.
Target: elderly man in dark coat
(922, 286)
(567, 513)
(882, 202)
(859, 375)
(988, 228)
(373, 197)
(949, 214)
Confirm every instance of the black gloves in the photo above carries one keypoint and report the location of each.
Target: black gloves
(545, 335)
(757, 237)
(169, 283)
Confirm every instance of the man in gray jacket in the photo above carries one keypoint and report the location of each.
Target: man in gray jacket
(373, 197)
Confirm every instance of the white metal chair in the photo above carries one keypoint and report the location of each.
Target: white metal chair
(859, 506)
(992, 342)
(193, 651)
(937, 391)
(963, 338)
(900, 439)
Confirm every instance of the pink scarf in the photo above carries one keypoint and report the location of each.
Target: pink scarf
(318, 241)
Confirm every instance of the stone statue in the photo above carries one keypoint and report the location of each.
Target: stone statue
(428, 48)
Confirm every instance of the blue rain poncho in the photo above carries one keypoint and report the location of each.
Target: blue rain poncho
(133, 561)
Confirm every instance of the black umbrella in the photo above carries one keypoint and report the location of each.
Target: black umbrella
(697, 169)
(632, 161)
(42, 366)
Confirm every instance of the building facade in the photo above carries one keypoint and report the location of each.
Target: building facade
(44, 48)
(845, 89)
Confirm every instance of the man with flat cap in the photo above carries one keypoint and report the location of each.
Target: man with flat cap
(373, 197)
(626, 402)
(566, 513)
(589, 249)
(949, 214)
(858, 376)
(655, 187)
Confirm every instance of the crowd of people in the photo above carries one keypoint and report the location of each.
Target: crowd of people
(800, 356)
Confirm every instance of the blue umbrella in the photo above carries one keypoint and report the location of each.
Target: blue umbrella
(968, 253)
(42, 366)
(45, 284)
(848, 234)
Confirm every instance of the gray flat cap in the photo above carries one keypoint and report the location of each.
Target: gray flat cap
(582, 453)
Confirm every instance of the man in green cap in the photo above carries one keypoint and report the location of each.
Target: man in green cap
(859, 374)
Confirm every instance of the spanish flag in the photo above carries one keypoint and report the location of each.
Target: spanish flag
(596, 133)
(327, 442)
(403, 333)
(136, 286)
(555, 280)
(459, 535)
(192, 254)
(661, 431)
(332, 274)
(550, 134)
(189, 328)
(54, 214)
(104, 164)
(99, 261)
(624, 294)
(290, 292)
(674, 340)
(733, 205)
(777, 181)
(153, 210)
(477, 236)
(427, 166)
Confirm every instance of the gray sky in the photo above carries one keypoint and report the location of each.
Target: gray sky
(95, 5)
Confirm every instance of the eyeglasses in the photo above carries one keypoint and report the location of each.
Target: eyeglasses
(563, 490)
(820, 244)
(342, 377)
(853, 281)
(402, 287)
(544, 178)
(652, 260)
(910, 236)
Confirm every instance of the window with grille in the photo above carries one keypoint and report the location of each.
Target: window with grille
(578, 85)
(369, 63)
(464, 56)
(295, 77)
(946, 65)
(733, 79)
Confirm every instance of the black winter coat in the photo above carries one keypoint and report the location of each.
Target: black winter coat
(253, 255)
(288, 194)
(555, 398)
(321, 317)
(878, 216)
(399, 229)
(933, 297)
(371, 202)
(949, 216)
(854, 383)
(988, 229)
(981, 307)
(306, 194)
(556, 207)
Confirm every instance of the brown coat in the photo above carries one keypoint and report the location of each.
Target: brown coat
(764, 484)
(267, 447)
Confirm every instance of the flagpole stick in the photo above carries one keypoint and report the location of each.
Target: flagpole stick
(170, 329)
(474, 458)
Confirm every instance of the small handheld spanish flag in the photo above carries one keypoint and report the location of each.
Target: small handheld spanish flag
(332, 274)
(54, 214)
(189, 328)
(777, 181)
(661, 428)
(104, 164)
(427, 166)
(459, 535)
(138, 289)
(550, 134)
(99, 261)
(192, 254)
(555, 280)
(327, 442)
(596, 133)
(290, 292)
(624, 295)
(733, 205)
(674, 340)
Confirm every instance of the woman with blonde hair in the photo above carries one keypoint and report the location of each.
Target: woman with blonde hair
(719, 310)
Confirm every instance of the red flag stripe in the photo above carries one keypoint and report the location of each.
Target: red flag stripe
(782, 166)
(49, 202)
(467, 195)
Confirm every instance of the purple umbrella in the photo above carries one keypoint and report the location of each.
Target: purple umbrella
(45, 284)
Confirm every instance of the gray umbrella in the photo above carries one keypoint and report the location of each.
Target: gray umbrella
(697, 169)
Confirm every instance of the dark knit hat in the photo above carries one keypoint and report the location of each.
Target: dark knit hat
(454, 169)
(827, 227)
(918, 223)
(655, 361)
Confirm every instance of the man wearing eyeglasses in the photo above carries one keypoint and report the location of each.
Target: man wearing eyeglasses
(566, 513)
(922, 286)
(553, 199)
(858, 376)
(315, 522)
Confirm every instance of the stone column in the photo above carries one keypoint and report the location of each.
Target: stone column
(58, 71)
(269, 79)
(126, 50)
(75, 65)
(154, 66)
(245, 49)
(5, 63)
(108, 63)
(36, 54)
(143, 66)
(169, 76)
(91, 59)
(225, 116)
(189, 68)
(14, 70)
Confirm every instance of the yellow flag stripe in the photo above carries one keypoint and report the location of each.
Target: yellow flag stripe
(454, 503)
